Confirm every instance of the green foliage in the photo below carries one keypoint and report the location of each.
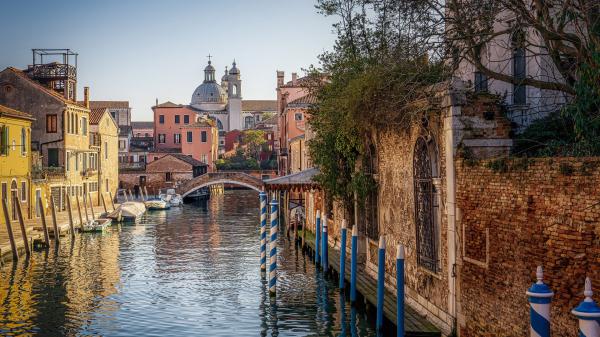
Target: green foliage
(253, 141)
(574, 131)
(499, 165)
(237, 162)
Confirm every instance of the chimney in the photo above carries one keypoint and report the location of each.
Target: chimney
(86, 97)
(156, 102)
(294, 78)
(280, 76)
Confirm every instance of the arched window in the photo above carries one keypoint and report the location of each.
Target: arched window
(425, 172)
(68, 122)
(14, 190)
(234, 90)
(519, 67)
(219, 125)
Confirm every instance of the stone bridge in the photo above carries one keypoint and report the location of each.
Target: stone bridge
(213, 178)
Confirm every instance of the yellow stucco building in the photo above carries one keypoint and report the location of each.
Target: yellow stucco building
(104, 137)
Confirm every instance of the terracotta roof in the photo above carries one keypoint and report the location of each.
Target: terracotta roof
(109, 104)
(187, 159)
(96, 115)
(49, 91)
(168, 104)
(200, 123)
(166, 150)
(259, 105)
(274, 120)
(142, 125)
(305, 100)
(299, 82)
(6, 111)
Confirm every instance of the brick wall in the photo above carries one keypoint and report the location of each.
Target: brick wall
(523, 214)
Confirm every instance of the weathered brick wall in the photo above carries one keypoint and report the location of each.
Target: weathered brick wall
(531, 212)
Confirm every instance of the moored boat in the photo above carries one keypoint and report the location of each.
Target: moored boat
(128, 211)
(157, 204)
(98, 225)
(172, 198)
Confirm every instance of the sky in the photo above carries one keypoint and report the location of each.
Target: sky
(141, 50)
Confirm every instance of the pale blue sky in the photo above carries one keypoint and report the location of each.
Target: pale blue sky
(140, 50)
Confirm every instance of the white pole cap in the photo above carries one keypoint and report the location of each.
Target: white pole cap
(324, 221)
(400, 252)
(354, 230)
(318, 213)
(382, 242)
(344, 224)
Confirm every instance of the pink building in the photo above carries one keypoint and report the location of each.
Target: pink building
(169, 118)
(142, 129)
(201, 142)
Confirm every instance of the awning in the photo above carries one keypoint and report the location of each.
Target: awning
(302, 180)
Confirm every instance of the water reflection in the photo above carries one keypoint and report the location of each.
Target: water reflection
(187, 271)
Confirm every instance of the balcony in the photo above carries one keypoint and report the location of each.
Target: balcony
(48, 173)
(88, 172)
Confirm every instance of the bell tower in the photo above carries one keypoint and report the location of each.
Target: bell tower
(234, 93)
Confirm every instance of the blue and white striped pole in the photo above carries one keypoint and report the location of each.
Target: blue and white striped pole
(343, 255)
(324, 255)
(263, 232)
(400, 291)
(353, 258)
(318, 237)
(540, 297)
(380, 282)
(273, 253)
(588, 313)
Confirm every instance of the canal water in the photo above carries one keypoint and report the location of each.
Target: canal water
(189, 271)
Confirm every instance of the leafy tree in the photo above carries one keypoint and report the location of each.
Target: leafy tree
(254, 140)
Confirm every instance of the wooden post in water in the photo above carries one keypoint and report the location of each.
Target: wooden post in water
(91, 206)
(79, 211)
(11, 238)
(125, 194)
(54, 223)
(112, 202)
(22, 225)
(131, 195)
(103, 202)
(71, 224)
(146, 191)
(87, 218)
(44, 225)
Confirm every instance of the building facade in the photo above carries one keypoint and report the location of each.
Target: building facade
(104, 136)
(121, 113)
(200, 141)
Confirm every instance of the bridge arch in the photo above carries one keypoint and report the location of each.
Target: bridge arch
(213, 178)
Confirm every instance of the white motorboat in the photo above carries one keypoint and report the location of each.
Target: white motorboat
(172, 198)
(157, 204)
(128, 211)
(98, 225)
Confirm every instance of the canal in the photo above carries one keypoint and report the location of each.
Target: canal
(189, 271)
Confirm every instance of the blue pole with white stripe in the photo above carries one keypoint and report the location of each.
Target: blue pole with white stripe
(380, 282)
(588, 313)
(353, 258)
(400, 291)
(324, 255)
(263, 232)
(318, 238)
(273, 252)
(343, 255)
(540, 297)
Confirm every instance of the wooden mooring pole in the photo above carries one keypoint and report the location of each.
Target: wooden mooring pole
(91, 206)
(22, 225)
(71, 224)
(11, 238)
(103, 202)
(79, 212)
(54, 223)
(44, 225)
(112, 202)
(87, 218)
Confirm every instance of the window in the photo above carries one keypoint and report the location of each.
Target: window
(177, 138)
(189, 136)
(161, 138)
(76, 124)
(68, 123)
(105, 150)
(234, 90)
(4, 191)
(51, 123)
(161, 119)
(24, 191)
(203, 158)
(176, 119)
(519, 68)
(298, 116)
(168, 176)
(76, 161)
(106, 185)
(68, 161)
(84, 126)
(53, 157)
(121, 144)
(38, 196)
(203, 136)
(186, 119)
(146, 134)
(481, 82)
(3, 140)
(426, 203)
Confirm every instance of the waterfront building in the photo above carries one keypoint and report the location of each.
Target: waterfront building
(104, 137)
(15, 161)
(60, 131)
(142, 129)
(121, 113)
(200, 141)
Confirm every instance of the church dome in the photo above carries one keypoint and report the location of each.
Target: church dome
(234, 70)
(209, 95)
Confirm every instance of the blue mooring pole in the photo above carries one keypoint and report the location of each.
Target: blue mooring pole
(400, 291)
(343, 255)
(380, 282)
(353, 258)
(324, 255)
(540, 297)
(317, 237)
(263, 232)
(588, 313)
(273, 253)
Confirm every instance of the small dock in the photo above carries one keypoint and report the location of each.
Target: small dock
(34, 229)
(415, 324)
